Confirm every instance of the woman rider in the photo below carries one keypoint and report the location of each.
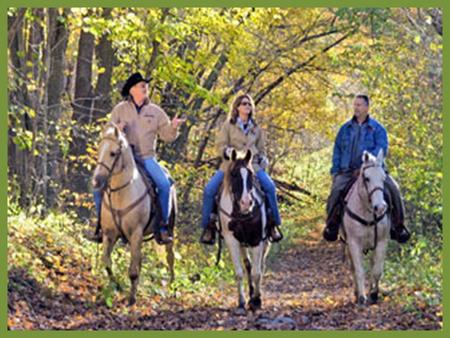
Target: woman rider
(240, 131)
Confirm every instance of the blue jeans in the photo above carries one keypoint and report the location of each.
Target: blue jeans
(156, 172)
(210, 192)
(212, 189)
(268, 185)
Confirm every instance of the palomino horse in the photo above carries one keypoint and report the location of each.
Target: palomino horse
(127, 205)
(242, 220)
(366, 225)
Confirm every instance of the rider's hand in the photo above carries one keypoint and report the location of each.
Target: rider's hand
(177, 121)
(263, 162)
(123, 126)
(227, 152)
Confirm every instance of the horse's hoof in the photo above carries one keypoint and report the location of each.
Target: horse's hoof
(254, 304)
(361, 301)
(240, 311)
(373, 298)
(132, 301)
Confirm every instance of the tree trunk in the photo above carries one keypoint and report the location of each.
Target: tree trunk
(56, 47)
(104, 53)
(82, 111)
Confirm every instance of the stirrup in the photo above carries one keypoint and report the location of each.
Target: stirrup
(94, 237)
(167, 240)
(271, 239)
(212, 231)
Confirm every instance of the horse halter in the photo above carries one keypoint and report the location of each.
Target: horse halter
(370, 193)
(236, 197)
(361, 220)
(116, 160)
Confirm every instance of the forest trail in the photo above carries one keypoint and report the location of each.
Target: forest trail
(306, 288)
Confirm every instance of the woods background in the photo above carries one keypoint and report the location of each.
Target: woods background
(302, 66)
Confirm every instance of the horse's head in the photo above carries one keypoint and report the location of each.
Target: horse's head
(241, 181)
(373, 176)
(111, 150)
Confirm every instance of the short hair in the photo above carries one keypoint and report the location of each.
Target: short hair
(364, 97)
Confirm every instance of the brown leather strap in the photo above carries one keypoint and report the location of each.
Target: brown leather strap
(124, 211)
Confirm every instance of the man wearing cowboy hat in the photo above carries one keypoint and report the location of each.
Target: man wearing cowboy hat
(142, 121)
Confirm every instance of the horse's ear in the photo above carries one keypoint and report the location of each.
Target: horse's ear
(248, 156)
(233, 155)
(365, 156)
(380, 157)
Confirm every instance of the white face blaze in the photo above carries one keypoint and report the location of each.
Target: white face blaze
(246, 198)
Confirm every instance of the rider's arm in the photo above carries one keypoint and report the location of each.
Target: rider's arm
(222, 140)
(381, 141)
(165, 129)
(337, 153)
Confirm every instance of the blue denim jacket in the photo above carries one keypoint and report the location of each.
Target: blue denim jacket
(373, 137)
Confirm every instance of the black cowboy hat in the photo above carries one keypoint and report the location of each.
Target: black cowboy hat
(132, 80)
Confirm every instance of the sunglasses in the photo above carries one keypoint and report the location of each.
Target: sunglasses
(246, 104)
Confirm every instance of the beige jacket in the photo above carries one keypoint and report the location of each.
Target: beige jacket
(142, 128)
(231, 135)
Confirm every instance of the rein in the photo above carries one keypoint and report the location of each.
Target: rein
(363, 221)
(118, 214)
(239, 217)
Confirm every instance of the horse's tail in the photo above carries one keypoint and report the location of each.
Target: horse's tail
(174, 209)
(219, 250)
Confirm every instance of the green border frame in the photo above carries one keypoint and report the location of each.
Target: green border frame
(210, 3)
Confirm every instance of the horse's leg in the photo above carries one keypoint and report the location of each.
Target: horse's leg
(109, 240)
(257, 258)
(248, 269)
(352, 269)
(265, 253)
(170, 257)
(135, 264)
(377, 270)
(357, 259)
(234, 247)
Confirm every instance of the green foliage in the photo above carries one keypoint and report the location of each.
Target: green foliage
(398, 63)
(53, 251)
(415, 272)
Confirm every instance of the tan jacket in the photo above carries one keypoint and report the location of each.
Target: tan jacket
(231, 135)
(142, 128)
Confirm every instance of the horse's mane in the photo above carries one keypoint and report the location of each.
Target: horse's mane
(109, 131)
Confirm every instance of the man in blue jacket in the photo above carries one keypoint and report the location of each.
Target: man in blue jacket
(357, 135)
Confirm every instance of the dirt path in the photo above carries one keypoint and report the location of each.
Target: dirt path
(308, 288)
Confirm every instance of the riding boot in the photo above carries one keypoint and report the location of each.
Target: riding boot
(275, 234)
(400, 233)
(208, 235)
(97, 236)
(331, 231)
(165, 237)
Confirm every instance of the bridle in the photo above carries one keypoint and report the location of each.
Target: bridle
(237, 216)
(376, 219)
(118, 214)
(236, 213)
(369, 193)
(110, 170)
